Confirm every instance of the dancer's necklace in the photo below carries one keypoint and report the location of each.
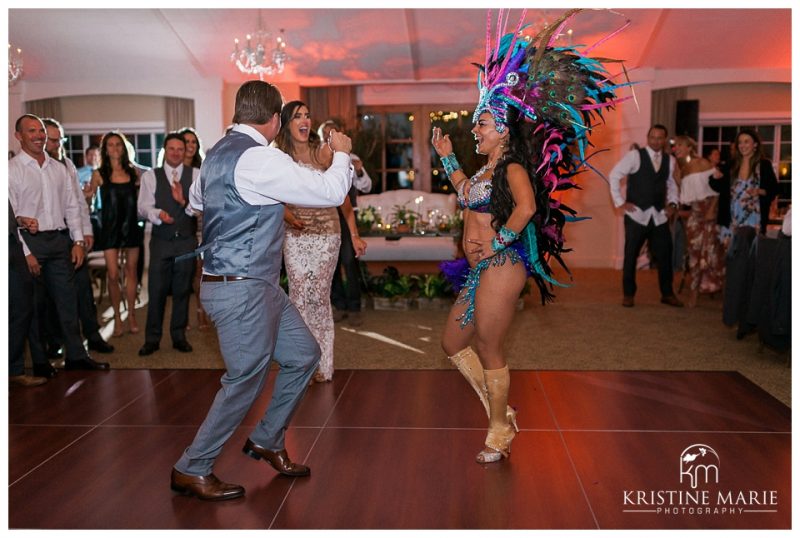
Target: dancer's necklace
(485, 168)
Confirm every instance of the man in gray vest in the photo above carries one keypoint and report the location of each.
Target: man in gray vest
(650, 188)
(243, 186)
(164, 201)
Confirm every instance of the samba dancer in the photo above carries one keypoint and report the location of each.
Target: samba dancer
(532, 122)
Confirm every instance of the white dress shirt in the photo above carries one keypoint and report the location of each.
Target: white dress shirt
(266, 176)
(146, 203)
(363, 183)
(73, 173)
(630, 164)
(46, 194)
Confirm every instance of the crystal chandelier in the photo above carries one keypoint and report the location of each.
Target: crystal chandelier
(14, 65)
(262, 54)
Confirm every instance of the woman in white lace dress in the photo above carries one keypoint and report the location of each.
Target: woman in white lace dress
(313, 236)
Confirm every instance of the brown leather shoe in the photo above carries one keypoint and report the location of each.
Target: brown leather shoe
(207, 488)
(278, 460)
(627, 301)
(671, 300)
(25, 380)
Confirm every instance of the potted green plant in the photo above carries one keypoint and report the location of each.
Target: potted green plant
(390, 290)
(435, 292)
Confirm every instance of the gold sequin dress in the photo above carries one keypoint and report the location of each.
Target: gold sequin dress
(310, 256)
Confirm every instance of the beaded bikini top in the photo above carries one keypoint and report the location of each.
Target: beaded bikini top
(477, 199)
(480, 190)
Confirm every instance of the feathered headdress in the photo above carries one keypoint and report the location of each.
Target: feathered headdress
(560, 90)
(558, 85)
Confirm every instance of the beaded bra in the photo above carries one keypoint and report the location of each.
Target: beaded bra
(480, 191)
(478, 197)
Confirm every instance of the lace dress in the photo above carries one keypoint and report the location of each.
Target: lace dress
(310, 256)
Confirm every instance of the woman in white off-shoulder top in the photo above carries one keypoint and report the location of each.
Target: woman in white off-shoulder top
(702, 237)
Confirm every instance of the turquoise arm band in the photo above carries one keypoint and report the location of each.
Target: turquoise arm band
(450, 164)
(504, 238)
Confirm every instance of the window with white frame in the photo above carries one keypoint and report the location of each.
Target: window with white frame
(395, 144)
(147, 140)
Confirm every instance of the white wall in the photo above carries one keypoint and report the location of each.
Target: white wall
(417, 94)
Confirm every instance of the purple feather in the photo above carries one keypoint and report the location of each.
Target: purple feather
(455, 272)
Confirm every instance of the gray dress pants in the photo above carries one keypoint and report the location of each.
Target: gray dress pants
(256, 323)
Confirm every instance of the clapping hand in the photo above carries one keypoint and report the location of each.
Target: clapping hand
(177, 194)
(340, 142)
(442, 144)
(165, 218)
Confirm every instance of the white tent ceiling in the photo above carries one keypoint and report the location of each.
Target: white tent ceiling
(346, 46)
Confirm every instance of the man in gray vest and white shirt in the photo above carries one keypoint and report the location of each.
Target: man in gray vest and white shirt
(164, 201)
(243, 185)
(650, 188)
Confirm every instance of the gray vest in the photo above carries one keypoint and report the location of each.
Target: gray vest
(646, 187)
(239, 239)
(184, 225)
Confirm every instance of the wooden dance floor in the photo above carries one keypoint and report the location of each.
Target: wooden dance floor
(394, 449)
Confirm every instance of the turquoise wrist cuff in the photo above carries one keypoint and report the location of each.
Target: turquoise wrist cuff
(450, 164)
(504, 238)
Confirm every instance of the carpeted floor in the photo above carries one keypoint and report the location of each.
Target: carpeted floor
(585, 329)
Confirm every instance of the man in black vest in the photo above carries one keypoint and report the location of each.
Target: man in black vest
(163, 200)
(650, 188)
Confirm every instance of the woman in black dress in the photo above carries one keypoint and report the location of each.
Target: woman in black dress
(118, 181)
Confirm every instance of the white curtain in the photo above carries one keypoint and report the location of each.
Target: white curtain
(665, 104)
(179, 113)
(45, 108)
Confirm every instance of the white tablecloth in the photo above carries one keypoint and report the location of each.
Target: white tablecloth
(410, 248)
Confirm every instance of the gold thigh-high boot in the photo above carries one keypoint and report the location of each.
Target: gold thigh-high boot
(501, 430)
(469, 365)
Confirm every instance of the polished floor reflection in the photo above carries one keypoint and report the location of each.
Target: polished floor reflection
(394, 449)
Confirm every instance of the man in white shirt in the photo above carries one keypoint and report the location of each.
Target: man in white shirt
(49, 211)
(346, 300)
(91, 163)
(650, 189)
(243, 185)
(164, 201)
(20, 308)
(87, 310)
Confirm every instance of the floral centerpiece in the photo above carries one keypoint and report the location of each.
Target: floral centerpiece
(367, 218)
(452, 223)
(403, 218)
